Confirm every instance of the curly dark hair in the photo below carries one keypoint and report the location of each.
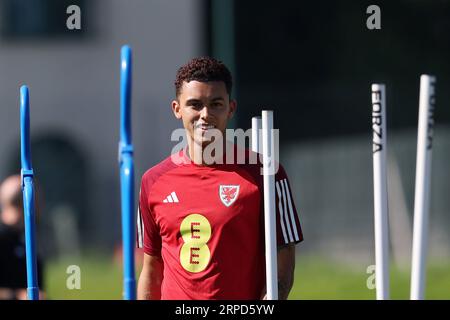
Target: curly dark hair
(203, 69)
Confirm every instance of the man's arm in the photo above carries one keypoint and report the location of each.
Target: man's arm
(8, 294)
(18, 294)
(149, 285)
(286, 266)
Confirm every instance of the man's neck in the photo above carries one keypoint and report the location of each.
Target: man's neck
(198, 156)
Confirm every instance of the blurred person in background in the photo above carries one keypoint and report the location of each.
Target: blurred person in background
(13, 272)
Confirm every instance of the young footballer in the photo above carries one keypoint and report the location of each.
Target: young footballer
(201, 220)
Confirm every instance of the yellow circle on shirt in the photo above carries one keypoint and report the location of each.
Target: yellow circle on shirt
(195, 230)
(194, 258)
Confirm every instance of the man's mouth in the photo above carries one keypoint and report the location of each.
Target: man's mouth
(204, 127)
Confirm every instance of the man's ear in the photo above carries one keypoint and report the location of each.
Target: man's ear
(233, 106)
(176, 109)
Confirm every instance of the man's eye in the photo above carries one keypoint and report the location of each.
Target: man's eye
(216, 105)
(196, 105)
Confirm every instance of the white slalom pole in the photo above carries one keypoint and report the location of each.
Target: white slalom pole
(422, 193)
(380, 191)
(256, 141)
(268, 151)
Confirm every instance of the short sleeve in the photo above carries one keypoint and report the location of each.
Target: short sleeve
(148, 234)
(288, 223)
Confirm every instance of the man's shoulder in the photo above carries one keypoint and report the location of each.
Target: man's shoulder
(169, 163)
(253, 162)
(5, 230)
(8, 234)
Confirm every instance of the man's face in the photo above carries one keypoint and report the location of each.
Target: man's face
(10, 206)
(203, 106)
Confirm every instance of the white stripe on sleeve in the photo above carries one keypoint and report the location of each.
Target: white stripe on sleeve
(280, 209)
(291, 210)
(140, 229)
(288, 224)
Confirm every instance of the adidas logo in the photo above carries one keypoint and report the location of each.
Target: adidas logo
(171, 198)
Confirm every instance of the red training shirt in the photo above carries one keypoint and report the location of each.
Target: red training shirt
(207, 224)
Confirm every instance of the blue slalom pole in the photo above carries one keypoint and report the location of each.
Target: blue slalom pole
(127, 176)
(28, 195)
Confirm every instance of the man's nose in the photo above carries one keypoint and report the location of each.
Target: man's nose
(205, 113)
